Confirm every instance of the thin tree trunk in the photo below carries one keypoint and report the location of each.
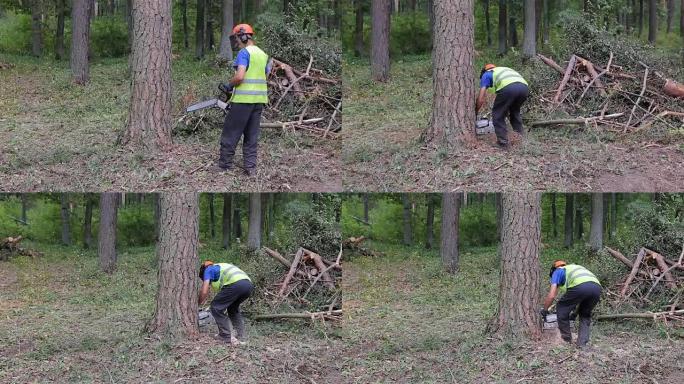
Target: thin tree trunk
(271, 216)
(519, 288)
(488, 22)
(613, 215)
(451, 203)
(237, 221)
(225, 219)
(80, 40)
(66, 225)
(149, 117)
(366, 207)
(60, 10)
(184, 13)
(176, 303)
(503, 27)
(358, 28)
(513, 34)
(641, 17)
(226, 52)
(430, 221)
(652, 21)
(24, 208)
(530, 39)
(554, 216)
(200, 30)
(209, 28)
(670, 15)
(254, 224)
(106, 237)
(568, 219)
(408, 230)
(453, 106)
(547, 22)
(596, 230)
(88, 222)
(380, 55)
(212, 216)
(579, 221)
(36, 28)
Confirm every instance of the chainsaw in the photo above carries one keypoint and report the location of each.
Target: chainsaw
(550, 321)
(205, 318)
(221, 102)
(483, 126)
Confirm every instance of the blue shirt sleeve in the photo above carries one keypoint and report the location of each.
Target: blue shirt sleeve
(558, 276)
(212, 273)
(242, 59)
(487, 80)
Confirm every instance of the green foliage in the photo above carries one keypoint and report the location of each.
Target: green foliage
(10, 213)
(109, 37)
(135, 225)
(15, 33)
(658, 226)
(410, 34)
(312, 228)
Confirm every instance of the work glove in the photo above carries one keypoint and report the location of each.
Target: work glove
(543, 312)
(226, 88)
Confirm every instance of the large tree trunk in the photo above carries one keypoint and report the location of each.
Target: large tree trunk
(80, 40)
(88, 222)
(380, 55)
(36, 28)
(66, 227)
(176, 304)
(408, 230)
(453, 107)
(519, 289)
(358, 28)
(530, 39)
(451, 203)
(60, 10)
(200, 25)
(157, 216)
(226, 52)
(503, 27)
(225, 219)
(149, 114)
(254, 224)
(430, 221)
(652, 21)
(568, 219)
(184, 13)
(106, 238)
(499, 214)
(212, 216)
(596, 230)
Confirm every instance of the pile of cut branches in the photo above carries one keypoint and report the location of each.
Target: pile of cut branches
(10, 247)
(355, 245)
(653, 280)
(307, 271)
(623, 99)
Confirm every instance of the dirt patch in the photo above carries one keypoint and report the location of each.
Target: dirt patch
(8, 276)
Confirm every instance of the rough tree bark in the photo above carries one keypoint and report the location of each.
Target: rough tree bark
(226, 52)
(60, 10)
(652, 21)
(380, 36)
(254, 223)
(106, 238)
(149, 114)
(568, 219)
(530, 37)
(176, 303)
(358, 28)
(503, 27)
(596, 230)
(88, 222)
(80, 40)
(225, 219)
(519, 289)
(451, 203)
(408, 230)
(66, 227)
(430, 221)
(453, 106)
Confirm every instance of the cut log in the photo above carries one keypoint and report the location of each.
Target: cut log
(580, 120)
(327, 315)
(548, 61)
(663, 268)
(635, 269)
(619, 256)
(291, 272)
(595, 76)
(674, 89)
(639, 315)
(278, 256)
(318, 262)
(566, 78)
(294, 80)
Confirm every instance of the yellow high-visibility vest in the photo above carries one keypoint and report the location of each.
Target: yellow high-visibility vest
(505, 76)
(254, 88)
(576, 275)
(229, 275)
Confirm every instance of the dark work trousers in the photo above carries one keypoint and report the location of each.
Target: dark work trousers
(228, 300)
(242, 120)
(584, 297)
(507, 104)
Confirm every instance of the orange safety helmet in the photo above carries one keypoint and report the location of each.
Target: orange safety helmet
(243, 29)
(489, 67)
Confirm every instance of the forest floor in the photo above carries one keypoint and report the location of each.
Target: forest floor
(382, 149)
(407, 321)
(55, 135)
(77, 324)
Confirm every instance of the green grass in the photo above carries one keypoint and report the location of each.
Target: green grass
(409, 321)
(82, 325)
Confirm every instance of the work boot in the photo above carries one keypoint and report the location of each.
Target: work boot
(220, 169)
(223, 339)
(503, 145)
(251, 172)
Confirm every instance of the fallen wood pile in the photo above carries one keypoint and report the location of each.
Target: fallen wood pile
(308, 271)
(354, 245)
(304, 100)
(650, 273)
(6, 65)
(629, 100)
(10, 247)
